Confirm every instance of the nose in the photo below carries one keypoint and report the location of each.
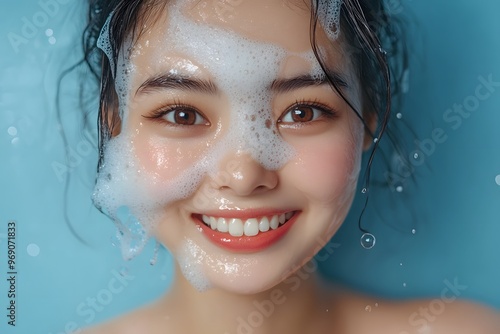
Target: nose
(242, 175)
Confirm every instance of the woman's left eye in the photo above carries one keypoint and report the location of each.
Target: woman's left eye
(302, 113)
(184, 117)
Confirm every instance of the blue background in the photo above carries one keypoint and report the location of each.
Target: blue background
(452, 200)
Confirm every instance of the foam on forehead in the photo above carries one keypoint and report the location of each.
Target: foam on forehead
(243, 69)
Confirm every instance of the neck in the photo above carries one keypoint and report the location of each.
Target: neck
(290, 307)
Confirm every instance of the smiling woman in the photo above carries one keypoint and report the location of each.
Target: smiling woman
(236, 141)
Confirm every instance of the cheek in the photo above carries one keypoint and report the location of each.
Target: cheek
(166, 159)
(327, 170)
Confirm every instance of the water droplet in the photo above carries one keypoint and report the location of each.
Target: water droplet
(12, 131)
(49, 32)
(497, 179)
(399, 115)
(368, 308)
(375, 140)
(368, 241)
(154, 259)
(415, 156)
(33, 250)
(52, 40)
(364, 191)
(115, 242)
(399, 189)
(401, 264)
(404, 285)
(413, 231)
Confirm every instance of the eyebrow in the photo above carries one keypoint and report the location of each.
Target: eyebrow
(303, 81)
(177, 82)
(180, 82)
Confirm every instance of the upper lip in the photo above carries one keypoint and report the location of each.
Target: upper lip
(245, 214)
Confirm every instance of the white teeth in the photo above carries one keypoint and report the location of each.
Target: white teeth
(235, 227)
(222, 225)
(213, 223)
(264, 224)
(251, 227)
(274, 223)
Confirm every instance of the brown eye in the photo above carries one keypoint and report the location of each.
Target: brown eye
(301, 114)
(184, 116)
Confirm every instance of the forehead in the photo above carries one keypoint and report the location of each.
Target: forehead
(281, 22)
(284, 23)
(190, 35)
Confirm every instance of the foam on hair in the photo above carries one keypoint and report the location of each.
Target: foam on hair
(329, 17)
(104, 43)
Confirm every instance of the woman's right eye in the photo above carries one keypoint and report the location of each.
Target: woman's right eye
(179, 116)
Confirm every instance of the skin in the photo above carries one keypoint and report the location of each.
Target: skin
(328, 150)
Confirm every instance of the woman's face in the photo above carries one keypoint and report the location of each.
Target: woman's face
(229, 115)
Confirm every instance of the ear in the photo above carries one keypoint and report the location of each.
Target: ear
(371, 121)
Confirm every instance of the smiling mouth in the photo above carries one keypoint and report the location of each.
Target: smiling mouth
(252, 234)
(251, 227)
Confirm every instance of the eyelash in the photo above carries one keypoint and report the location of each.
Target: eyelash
(159, 114)
(326, 111)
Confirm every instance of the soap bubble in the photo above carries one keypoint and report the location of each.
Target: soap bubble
(33, 250)
(368, 241)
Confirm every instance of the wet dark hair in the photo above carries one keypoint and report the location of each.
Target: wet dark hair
(370, 38)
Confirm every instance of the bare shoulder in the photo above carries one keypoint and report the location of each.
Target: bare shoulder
(457, 316)
(132, 323)
(363, 314)
(144, 320)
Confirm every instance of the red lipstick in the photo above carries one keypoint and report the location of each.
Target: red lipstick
(245, 244)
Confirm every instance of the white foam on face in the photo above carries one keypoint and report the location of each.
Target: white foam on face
(243, 70)
(117, 185)
(197, 265)
(191, 258)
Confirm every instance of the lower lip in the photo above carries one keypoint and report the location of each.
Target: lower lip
(245, 244)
